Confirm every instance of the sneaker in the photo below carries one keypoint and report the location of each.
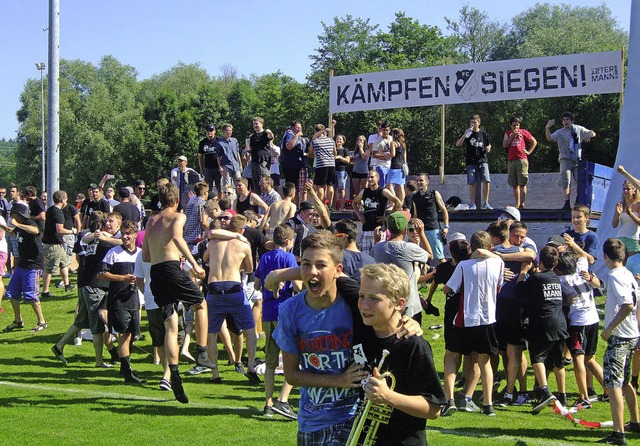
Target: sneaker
(487, 206)
(267, 411)
(69, 287)
(449, 408)
(77, 341)
(567, 361)
(522, 399)
(472, 207)
(582, 403)
(604, 397)
(488, 410)
(253, 378)
(239, 368)
(44, 295)
(178, 390)
(283, 409)
(505, 400)
(165, 385)
(133, 379)
(15, 325)
(430, 309)
(593, 396)
(545, 398)
(197, 370)
(469, 406)
(60, 284)
(58, 354)
(613, 438)
(562, 399)
(632, 427)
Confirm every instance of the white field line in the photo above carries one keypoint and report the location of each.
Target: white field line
(113, 395)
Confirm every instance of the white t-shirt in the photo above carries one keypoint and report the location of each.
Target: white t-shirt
(583, 311)
(482, 280)
(621, 289)
(275, 166)
(381, 145)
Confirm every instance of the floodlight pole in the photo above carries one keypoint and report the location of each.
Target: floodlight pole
(53, 87)
(40, 67)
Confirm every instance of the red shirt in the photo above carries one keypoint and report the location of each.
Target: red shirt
(518, 145)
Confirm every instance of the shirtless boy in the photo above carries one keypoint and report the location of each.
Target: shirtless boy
(172, 287)
(226, 295)
(280, 211)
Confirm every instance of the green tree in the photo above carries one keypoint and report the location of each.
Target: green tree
(476, 35)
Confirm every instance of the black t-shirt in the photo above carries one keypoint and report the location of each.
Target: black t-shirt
(411, 363)
(54, 216)
(541, 296)
(374, 205)
(207, 147)
(476, 147)
(260, 151)
(100, 205)
(341, 166)
(36, 206)
(30, 248)
(425, 207)
(92, 255)
(69, 212)
(257, 241)
(129, 211)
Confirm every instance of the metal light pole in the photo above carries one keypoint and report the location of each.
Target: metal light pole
(40, 66)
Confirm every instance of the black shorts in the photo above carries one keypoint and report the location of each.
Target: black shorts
(509, 326)
(171, 285)
(454, 340)
(124, 321)
(325, 176)
(467, 340)
(548, 352)
(583, 339)
(359, 176)
(291, 175)
(157, 330)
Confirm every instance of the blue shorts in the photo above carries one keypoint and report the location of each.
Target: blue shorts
(478, 172)
(396, 176)
(228, 299)
(433, 236)
(23, 283)
(341, 179)
(382, 172)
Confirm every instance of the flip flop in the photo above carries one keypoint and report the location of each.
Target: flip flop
(13, 326)
(41, 326)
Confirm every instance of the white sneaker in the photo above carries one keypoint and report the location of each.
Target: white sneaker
(472, 207)
(486, 206)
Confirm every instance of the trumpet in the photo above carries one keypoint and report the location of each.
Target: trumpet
(371, 415)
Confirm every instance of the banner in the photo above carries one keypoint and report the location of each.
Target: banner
(542, 77)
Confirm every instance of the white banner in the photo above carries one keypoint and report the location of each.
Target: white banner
(542, 77)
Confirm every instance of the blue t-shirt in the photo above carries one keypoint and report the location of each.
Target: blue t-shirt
(323, 339)
(587, 241)
(270, 261)
(352, 261)
(292, 159)
(508, 290)
(633, 265)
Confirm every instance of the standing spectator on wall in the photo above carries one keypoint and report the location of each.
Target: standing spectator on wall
(569, 139)
(342, 175)
(516, 141)
(477, 146)
(397, 177)
(260, 150)
(361, 165)
(208, 159)
(380, 150)
(294, 161)
(229, 157)
(185, 178)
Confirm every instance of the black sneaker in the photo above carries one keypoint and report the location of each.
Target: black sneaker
(488, 410)
(429, 308)
(632, 427)
(593, 396)
(133, 379)
(69, 287)
(449, 408)
(239, 368)
(283, 409)
(58, 354)
(178, 390)
(613, 438)
(267, 412)
(504, 400)
(545, 397)
(45, 295)
(582, 403)
(253, 378)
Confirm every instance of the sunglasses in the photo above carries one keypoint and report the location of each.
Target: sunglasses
(141, 188)
(224, 217)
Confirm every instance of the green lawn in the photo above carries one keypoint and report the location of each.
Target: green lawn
(43, 402)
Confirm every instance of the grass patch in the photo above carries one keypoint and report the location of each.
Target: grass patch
(45, 402)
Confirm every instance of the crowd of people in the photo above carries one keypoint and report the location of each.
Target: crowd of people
(241, 250)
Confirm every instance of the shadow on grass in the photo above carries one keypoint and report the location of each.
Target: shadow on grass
(560, 435)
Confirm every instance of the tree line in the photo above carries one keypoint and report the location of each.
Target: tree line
(111, 122)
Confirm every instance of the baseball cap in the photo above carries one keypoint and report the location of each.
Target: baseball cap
(93, 186)
(556, 240)
(397, 222)
(182, 158)
(210, 127)
(305, 205)
(511, 212)
(456, 236)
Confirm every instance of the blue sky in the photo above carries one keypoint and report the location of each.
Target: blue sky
(255, 37)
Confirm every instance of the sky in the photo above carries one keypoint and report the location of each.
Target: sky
(255, 37)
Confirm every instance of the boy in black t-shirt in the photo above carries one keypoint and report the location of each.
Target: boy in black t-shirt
(542, 297)
(123, 303)
(418, 394)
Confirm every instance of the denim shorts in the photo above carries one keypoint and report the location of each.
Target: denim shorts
(478, 172)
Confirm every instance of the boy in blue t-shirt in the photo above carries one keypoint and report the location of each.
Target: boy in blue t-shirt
(283, 237)
(583, 242)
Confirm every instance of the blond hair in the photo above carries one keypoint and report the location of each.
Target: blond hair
(391, 278)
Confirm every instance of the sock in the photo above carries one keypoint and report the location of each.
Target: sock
(634, 381)
(173, 368)
(125, 365)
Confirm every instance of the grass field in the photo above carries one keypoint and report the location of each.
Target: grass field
(44, 402)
